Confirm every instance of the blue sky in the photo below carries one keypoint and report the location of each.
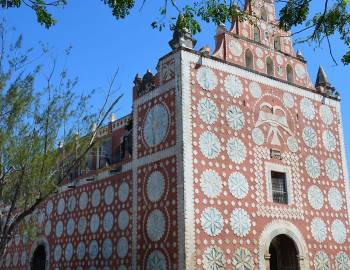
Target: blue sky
(101, 45)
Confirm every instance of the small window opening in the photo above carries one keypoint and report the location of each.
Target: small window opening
(279, 187)
(263, 14)
(256, 32)
(277, 43)
(289, 74)
(249, 59)
(105, 153)
(269, 66)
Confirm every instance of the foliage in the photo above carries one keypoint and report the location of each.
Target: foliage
(42, 123)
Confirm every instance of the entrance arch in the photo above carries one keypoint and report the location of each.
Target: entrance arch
(283, 254)
(279, 229)
(38, 261)
(39, 255)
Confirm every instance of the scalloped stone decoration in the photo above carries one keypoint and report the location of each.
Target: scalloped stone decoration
(81, 250)
(321, 261)
(214, 259)
(255, 90)
(93, 249)
(156, 260)
(212, 221)
(318, 230)
(233, 86)
(288, 100)
(326, 115)
(68, 253)
(107, 248)
(235, 47)
(335, 199)
(94, 223)
(60, 206)
(82, 224)
(338, 231)
(236, 150)
(207, 111)
(242, 259)
(70, 226)
(156, 125)
(209, 144)
(238, 185)
(332, 169)
(96, 198)
(122, 247)
(207, 78)
(123, 219)
(313, 168)
(240, 222)
(123, 192)
(211, 183)
(155, 186)
(342, 261)
(292, 144)
(329, 141)
(83, 200)
(235, 117)
(310, 137)
(155, 225)
(59, 229)
(108, 221)
(109, 195)
(307, 108)
(315, 197)
(258, 136)
(57, 253)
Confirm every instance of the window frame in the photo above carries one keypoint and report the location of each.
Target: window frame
(273, 167)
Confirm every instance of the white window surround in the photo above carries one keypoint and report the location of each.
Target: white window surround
(269, 167)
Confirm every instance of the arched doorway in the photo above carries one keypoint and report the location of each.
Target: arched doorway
(283, 253)
(38, 261)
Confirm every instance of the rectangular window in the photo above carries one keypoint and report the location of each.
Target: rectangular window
(279, 187)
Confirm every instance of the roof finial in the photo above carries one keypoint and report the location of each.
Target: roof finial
(182, 37)
(321, 79)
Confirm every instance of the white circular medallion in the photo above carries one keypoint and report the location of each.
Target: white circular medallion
(321, 261)
(68, 253)
(83, 201)
(107, 248)
(242, 259)
(329, 141)
(70, 226)
(233, 86)
(240, 222)
(207, 111)
(342, 261)
(123, 219)
(156, 260)
(207, 78)
(288, 100)
(236, 150)
(300, 71)
(49, 207)
(310, 137)
(155, 225)
(260, 63)
(315, 197)
(155, 186)
(338, 231)
(80, 251)
(258, 136)
(60, 206)
(108, 221)
(235, 117)
(82, 225)
(312, 167)
(307, 108)
(72, 201)
(59, 229)
(48, 228)
(212, 221)
(326, 114)
(93, 249)
(214, 259)
(318, 230)
(123, 192)
(122, 247)
(109, 195)
(235, 47)
(255, 90)
(156, 125)
(94, 223)
(332, 169)
(238, 185)
(211, 184)
(57, 253)
(96, 198)
(259, 52)
(335, 199)
(292, 144)
(209, 144)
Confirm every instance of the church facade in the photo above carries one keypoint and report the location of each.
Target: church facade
(234, 160)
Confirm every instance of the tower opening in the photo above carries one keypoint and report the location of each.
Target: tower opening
(249, 59)
(269, 66)
(256, 34)
(283, 254)
(289, 74)
(38, 261)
